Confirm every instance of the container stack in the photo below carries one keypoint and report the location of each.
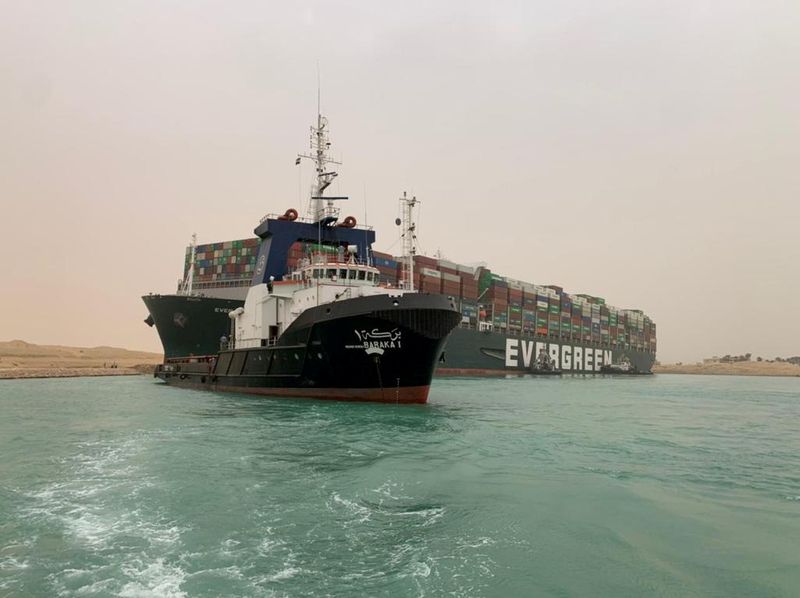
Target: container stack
(389, 267)
(230, 263)
(650, 334)
(469, 284)
(634, 334)
(595, 322)
(451, 280)
(468, 294)
(566, 316)
(604, 324)
(515, 294)
(553, 311)
(428, 280)
(528, 308)
(497, 297)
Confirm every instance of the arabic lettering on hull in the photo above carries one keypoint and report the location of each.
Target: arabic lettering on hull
(376, 342)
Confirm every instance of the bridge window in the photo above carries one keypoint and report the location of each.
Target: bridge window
(331, 273)
(362, 275)
(353, 274)
(343, 274)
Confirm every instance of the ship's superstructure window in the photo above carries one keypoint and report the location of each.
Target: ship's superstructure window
(343, 274)
(362, 275)
(331, 273)
(317, 273)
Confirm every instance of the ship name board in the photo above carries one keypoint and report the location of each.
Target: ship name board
(375, 342)
(522, 353)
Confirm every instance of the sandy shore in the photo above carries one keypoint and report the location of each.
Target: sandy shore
(746, 368)
(19, 359)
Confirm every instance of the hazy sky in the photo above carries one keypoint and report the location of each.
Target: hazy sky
(646, 152)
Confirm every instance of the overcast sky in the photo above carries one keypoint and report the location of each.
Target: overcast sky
(646, 152)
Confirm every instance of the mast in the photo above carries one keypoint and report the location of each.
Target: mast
(409, 235)
(188, 281)
(321, 207)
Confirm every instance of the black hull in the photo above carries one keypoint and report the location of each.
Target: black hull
(376, 348)
(188, 325)
(468, 352)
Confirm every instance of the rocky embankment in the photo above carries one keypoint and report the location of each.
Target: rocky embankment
(13, 373)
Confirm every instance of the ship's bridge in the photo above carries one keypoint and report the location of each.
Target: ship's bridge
(332, 269)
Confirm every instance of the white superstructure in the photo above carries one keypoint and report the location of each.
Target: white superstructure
(270, 308)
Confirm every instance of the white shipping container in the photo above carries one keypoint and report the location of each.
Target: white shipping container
(466, 269)
(430, 272)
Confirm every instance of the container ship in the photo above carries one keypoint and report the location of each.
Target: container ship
(507, 326)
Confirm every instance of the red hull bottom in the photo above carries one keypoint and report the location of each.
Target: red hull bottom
(474, 372)
(408, 394)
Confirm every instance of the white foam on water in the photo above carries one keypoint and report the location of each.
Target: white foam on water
(284, 574)
(90, 504)
(230, 572)
(360, 512)
(96, 504)
(267, 545)
(389, 490)
(155, 579)
(101, 587)
(420, 569)
(12, 564)
(430, 516)
(477, 543)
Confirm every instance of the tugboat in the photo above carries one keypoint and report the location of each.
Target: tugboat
(328, 330)
(544, 365)
(623, 367)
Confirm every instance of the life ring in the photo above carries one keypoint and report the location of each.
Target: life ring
(349, 222)
(291, 214)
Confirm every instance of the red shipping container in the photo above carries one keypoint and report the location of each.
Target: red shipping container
(427, 262)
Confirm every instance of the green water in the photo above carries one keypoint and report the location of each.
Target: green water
(660, 486)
